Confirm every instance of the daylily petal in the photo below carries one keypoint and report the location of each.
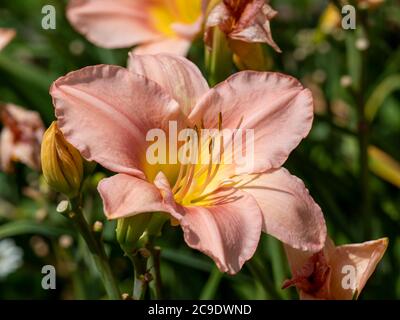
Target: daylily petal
(21, 137)
(254, 26)
(289, 212)
(6, 35)
(113, 23)
(244, 20)
(364, 257)
(6, 150)
(175, 46)
(312, 276)
(227, 231)
(178, 76)
(124, 195)
(219, 16)
(105, 112)
(277, 107)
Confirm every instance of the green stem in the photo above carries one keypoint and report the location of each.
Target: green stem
(142, 277)
(219, 59)
(363, 140)
(156, 254)
(96, 248)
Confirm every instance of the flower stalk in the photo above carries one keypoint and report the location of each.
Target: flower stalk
(142, 276)
(73, 211)
(219, 58)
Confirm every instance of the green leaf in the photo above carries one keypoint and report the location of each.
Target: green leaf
(20, 227)
(26, 72)
(186, 260)
(354, 60)
(380, 93)
(278, 264)
(384, 166)
(211, 285)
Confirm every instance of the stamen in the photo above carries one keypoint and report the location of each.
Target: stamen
(211, 176)
(240, 123)
(210, 146)
(179, 179)
(186, 183)
(204, 168)
(205, 196)
(192, 172)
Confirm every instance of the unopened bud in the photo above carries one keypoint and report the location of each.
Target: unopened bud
(156, 223)
(63, 207)
(250, 56)
(126, 296)
(98, 226)
(62, 164)
(130, 230)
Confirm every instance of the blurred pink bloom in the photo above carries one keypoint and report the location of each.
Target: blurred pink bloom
(244, 20)
(156, 26)
(106, 111)
(6, 35)
(327, 274)
(20, 138)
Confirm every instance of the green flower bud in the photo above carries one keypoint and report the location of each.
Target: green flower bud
(62, 164)
(130, 230)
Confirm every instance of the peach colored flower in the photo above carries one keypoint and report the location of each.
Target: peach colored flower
(156, 26)
(246, 21)
(20, 138)
(106, 111)
(322, 275)
(6, 35)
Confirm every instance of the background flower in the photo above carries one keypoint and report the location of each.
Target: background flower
(10, 257)
(337, 272)
(20, 138)
(155, 25)
(6, 35)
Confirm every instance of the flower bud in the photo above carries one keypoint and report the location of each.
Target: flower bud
(156, 223)
(98, 227)
(130, 230)
(250, 56)
(62, 164)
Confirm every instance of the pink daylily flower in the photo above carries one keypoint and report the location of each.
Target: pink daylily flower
(155, 26)
(106, 111)
(20, 138)
(6, 35)
(246, 21)
(322, 275)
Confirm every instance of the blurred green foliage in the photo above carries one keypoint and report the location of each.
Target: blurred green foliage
(328, 160)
